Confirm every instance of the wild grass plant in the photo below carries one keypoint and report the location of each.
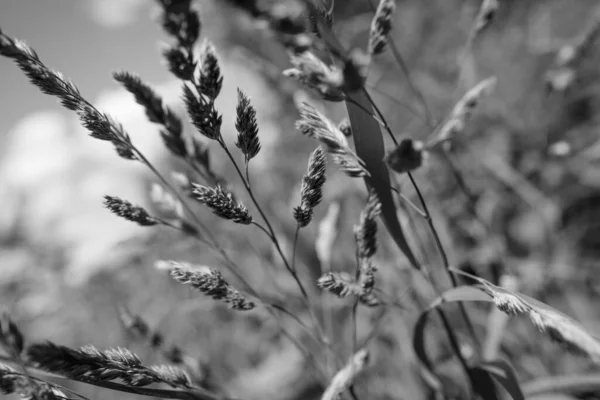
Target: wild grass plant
(365, 147)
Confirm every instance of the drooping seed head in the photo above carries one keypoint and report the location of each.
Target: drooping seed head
(125, 209)
(381, 26)
(339, 283)
(222, 203)
(210, 282)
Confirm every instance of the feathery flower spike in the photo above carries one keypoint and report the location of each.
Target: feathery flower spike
(222, 203)
(247, 127)
(125, 209)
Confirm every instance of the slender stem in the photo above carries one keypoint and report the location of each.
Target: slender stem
(433, 230)
(444, 256)
(406, 71)
(295, 248)
(270, 232)
(409, 202)
(455, 345)
(262, 228)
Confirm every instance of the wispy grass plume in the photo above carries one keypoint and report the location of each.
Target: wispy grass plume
(247, 127)
(222, 203)
(156, 111)
(317, 126)
(88, 364)
(130, 212)
(381, 26)
(210, 282)
(311, 192)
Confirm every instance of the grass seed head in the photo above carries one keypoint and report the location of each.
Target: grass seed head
(203, 114)
(210, 282)
(314, 73)
(315, 125)
(210, 80)
(179, 63)
(311, 192)
(247, 127)
(125, 209)
(365, 232)
(381, 26)
(340, 284)
(222, 203)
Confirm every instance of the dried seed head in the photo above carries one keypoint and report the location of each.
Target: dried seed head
(125, 209)
(210, 282)
(222, 203)
(303, 215)
(365, 232)
(156, 111)
(314, 73)
(89, 364)
(407, 156)
(381, 26)
(486, 14)
(312, 187)
(346, 376)
(317, 126)
(203, 114)
(169, 373)
(247, 127)
(510, 304)
(463, 110)
(11, 337)
(341, 284)
(210, 80)
(369, 300)
(48, 81)
(14, 382)
(179, 63)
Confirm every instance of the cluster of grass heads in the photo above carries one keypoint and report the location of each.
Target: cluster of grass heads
(359, 148)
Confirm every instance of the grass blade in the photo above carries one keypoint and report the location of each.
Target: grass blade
(369, 145)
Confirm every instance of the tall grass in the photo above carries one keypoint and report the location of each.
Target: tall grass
(359, 148)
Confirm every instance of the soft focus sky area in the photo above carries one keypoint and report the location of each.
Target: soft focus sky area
(84, 39)
(51, 171)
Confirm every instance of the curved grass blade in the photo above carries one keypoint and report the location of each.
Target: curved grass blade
(368, 141)
(505, 375)
(557, 326)
(483, 384)
(461, 293)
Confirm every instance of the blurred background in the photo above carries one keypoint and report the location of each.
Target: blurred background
(520, 198)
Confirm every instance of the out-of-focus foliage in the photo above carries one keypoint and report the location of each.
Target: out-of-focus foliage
(525, 204)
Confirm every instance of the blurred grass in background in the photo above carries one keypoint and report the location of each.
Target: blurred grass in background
(66, 263)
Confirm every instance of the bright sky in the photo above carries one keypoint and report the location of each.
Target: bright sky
(84, 39)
